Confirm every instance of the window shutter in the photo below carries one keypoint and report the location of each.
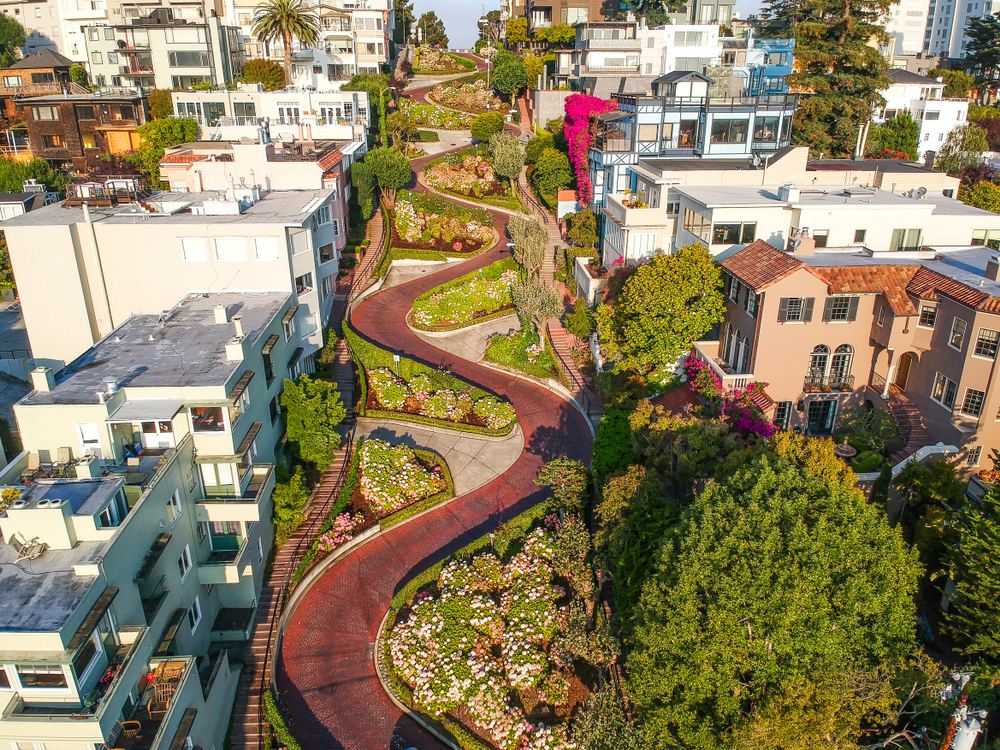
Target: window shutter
(727, 281)
(852, 312)
(783, 310)
(827, 307)
(807, 308)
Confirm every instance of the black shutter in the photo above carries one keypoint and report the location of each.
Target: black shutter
(807, 308)
(727, 280)
(827, 307)
(852, 312)
(783, 310)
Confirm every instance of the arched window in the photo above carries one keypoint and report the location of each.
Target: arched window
(840, 365)
(818, 361)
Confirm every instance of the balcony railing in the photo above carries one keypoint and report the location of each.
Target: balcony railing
(828, 383)
(254, 491)
(611, 68)
(611, 44)
(707, 352)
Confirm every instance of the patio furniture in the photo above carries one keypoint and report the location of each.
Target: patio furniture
(32, 468)
(130, 734)
(27, 550)
(132, 462)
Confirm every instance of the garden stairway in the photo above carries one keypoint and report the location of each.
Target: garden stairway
(562, 344)
(365, 273)
(548, 270)
(911, 423)
(255, 678)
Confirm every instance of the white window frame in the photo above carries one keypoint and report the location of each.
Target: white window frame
(982, 404)
(951, 336)
(184, 563)
(195, 607)
(175, 509)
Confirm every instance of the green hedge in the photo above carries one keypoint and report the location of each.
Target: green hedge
(427, 136)
(428, 502)
(280, 728)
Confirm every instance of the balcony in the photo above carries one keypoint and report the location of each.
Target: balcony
(629, 211)
(609, 68)
(828, 383)
(161, 700)
(223, 565)
(708, 352)
(592, 44)
(222, 505)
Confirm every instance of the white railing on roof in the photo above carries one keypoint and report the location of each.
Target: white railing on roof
(730, 380)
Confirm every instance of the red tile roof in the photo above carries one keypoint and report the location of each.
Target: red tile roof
(331, 159)
(927, 284)
(677, 401)
(760, 264)
(887, 280)
(183, 157)
(566, 195)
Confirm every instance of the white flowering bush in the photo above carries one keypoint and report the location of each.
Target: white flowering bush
(440, 405)
(470, 175)
(430, 222)
(388, 390)
(430, 60)
(494, 412)
(392, 477)
(484, 637)
(474, 96)
(477, 295)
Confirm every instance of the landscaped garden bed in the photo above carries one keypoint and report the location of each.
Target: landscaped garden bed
(413, 392)
(469, 175)
(432, 116)
(476, 297)
(523, 351)
(426, 227)
(429, 61)
(468, 95)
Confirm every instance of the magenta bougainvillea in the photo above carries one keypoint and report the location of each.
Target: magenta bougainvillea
(737, 406)
(578, 127)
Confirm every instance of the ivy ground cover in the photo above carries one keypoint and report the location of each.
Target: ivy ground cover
(474, 298)
(523, 351)
(432, 116)
(467, 174)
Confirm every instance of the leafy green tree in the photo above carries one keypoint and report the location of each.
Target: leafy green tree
(78, 75)
(962, 149)
(401, 126)
(536, 303)
(601, 724)
(364, 189)
(530, 238)
(509, 75)
(289, 500)
(517, 31)
(161, 103)
(391, 170)
(982, 52)
(6, 271)
(868, 429)
(13, 173)
(491, 28)
(665, 305)
(580, 322)
(560, 34)
(581, 228)
(403, 14)
(434, 34)
(779, 614)
(567, 478)
(838, 66)
(900, 134)
(267, 73)
(487, 125)
(612, 444)
(536, 145)
(313, 410)
(985, 195)
(534, 66)
(12, 37)
(157, 135)
(508, 156)
(285, 20)
(957, 83)
(552, 172)
(377, 86)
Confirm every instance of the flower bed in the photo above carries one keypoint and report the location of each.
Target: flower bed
(737, 406)
(433, 116)
(481, 647)
(394, 476)
(469, 175)
(524, 352)
(474, 298)
(468, 96)
(426, 222)
(430, 60)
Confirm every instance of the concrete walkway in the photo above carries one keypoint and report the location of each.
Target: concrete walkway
(472, 460)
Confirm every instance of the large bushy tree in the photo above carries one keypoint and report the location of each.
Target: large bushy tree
(14, 172)
(982, 52)
(314, 410)
(536, 303)
(391, 170)
(160, 103)
(962, 149)
(665, 305)
(12, 37)
(362, 180)
(838, 66)
(285, 20)
(157, 136)
(267, 73)
(432, 28)
(508, 156)
(403, 14)
(509, 75)
(779, 614)
(900, 135)
(529, 238)
(552, 172)
(377, 86)
(985, 195)
(957, 83)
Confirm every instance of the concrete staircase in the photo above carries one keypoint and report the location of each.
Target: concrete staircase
(365, 272)
(911, 424)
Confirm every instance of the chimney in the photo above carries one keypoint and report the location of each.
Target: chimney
(43, 379)
(788, 193)
(800, 243)
(221, 314)
(992, 268)
(238, 325)
(110, 386)
(234, 349)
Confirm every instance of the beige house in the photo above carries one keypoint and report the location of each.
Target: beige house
(84, 266)
(830, 329)
(132, 559)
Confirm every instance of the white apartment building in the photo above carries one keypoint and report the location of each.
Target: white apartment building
(41, 22)
(923, 98)
(906, 26)
(132, 559)
(946, 24)
(165, 52)
(292, 114)
(664, 49)
(84, 266)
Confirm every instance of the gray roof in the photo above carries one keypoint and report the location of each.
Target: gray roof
(867, 165)
(45, 58)
(187, 349)
(85, 496)
(605, 86)
(680, 75)
(899, 75)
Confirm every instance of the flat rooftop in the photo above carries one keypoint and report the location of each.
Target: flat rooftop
(184, 347)
(284, 207)
(867, 165)
(85, 496)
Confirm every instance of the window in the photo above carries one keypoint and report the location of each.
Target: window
(12, 81)
(207, 419)
(184, 562)
(987, 238)
(734, 290)
(975, 454)
(905, 239)
(266, 248)
(795, 309)
(275, 408)
(648, 133)
(697, 224)
(230, 249)
(217, 475)
(4, 679)
(928, 314)
(818, 360)
(986, 343)
(840, 364)
(944, 390)
(85, 112)
(326, 287)
(729, 130)
(52, 141)
(191, 59)
(326, 253)
(194, 249)
(41, 675)
(765, 128)
(323, 215)
(957, 338)
(732, 234)
(303, 283)
(89, 141)
(841, 309)
(96, 58)
(268, 366)
(932, 115)
(336, 228)
(202, 530)
(972, 404)
(821, 237)
(109, 34)
(45, 114)
(194, 614)
(750, 304)
(880, 320)
(112, 58)
(288, 327)
(782, 414)
(84, 657)
(859, 236)
(174, 507)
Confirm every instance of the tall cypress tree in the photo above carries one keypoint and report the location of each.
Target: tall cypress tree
(839, 70)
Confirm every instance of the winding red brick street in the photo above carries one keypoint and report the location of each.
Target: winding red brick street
(325, 670)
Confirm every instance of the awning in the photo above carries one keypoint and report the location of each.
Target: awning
(93, 617)
(147, 410)
(241, 385)
(179, 742)
(153, 554)
(289, 314)
(293, 360)
(269, 344)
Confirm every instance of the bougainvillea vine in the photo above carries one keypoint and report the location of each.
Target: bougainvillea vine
(578, 127)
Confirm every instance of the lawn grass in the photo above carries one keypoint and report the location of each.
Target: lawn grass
(427, 136)
(508, 350)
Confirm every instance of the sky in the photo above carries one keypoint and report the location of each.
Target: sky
(460, 16)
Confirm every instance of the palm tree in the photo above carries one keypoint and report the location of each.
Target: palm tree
(284, 19)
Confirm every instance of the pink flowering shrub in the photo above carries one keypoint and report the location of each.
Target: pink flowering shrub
(341, 532)
(578, 127)
(737, 406)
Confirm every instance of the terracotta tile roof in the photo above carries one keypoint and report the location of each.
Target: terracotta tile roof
(329, 160)
(888, 280)
(566, 195)
(676, 402)
(927, 284)
(185, 157)
(760, 264)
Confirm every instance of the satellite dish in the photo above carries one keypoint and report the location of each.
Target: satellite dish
(921, 192)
